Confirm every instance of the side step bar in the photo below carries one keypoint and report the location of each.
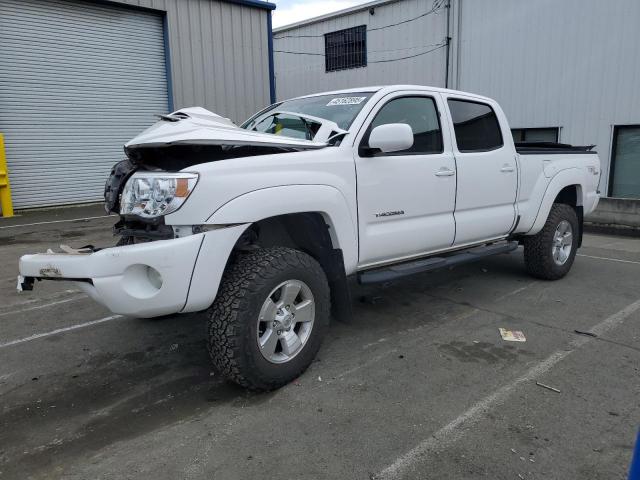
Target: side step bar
(405, 269)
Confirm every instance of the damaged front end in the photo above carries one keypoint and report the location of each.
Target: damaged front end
(192, 136)
(150, 270)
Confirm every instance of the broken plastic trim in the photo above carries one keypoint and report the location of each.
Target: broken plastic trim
(25, 284)
(173, 117)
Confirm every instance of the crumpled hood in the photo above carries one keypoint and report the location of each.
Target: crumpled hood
(199, 126)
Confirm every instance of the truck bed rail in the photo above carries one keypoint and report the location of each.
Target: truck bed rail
(536, 148)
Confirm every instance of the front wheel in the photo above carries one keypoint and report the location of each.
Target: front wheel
(269, 317)
(550, 253)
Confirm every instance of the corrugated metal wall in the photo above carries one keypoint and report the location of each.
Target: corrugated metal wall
(301, 74)
(77, 81)
(219, 55)
(574, 64)
(81, 77)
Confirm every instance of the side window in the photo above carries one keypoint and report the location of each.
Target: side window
(422, 116)
(476, 126)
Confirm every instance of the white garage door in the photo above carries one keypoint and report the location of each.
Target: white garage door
(77, 80)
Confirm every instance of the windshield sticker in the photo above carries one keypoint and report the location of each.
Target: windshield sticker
(346, 101)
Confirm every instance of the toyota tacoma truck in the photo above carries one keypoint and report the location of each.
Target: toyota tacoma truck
(261, 225)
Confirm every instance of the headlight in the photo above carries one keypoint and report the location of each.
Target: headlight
(150, 194)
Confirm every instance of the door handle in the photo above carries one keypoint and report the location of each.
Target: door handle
(507, 168)
(444, 172)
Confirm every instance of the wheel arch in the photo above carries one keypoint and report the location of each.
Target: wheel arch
(565, 187)
(310, 201)
(308, 232)
(317, 221)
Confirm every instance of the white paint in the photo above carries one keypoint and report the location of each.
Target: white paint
(60, 330)
(405, 203)
(515, 292)
(119, 279)
(56, 221)
(393, 137)
(48, 297)
(452, 431)
(38, 307)
(487, 56)
(403, 206)
(487, 181)
(5, 376)
(198, 125)
(607, 258)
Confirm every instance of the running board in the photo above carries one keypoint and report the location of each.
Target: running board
(405, 269)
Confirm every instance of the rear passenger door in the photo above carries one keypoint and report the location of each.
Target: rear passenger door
(486, 170)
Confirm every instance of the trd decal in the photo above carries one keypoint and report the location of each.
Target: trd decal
(390, 214)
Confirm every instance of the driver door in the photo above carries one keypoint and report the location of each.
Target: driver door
(406, 199)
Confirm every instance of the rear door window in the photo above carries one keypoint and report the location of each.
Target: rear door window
(476, 126)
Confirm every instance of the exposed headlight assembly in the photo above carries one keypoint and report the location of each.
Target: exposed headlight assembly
(151, 194)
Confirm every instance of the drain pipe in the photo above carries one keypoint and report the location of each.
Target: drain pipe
(446, 73)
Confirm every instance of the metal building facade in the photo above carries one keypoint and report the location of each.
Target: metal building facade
(302, 70)
(219, 53)
(79, 78)
(573, 65)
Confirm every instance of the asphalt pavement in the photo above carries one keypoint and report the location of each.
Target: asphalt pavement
(420, 385)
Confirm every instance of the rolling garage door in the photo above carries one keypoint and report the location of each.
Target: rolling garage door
(77, 80)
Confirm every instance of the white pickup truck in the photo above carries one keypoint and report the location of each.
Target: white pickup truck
(261, 225)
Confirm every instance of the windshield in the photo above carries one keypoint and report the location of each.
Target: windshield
(340, 108)
(287, 125)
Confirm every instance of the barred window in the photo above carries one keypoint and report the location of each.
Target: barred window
(346, 49)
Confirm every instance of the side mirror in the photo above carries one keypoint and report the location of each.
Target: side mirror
(391, 137)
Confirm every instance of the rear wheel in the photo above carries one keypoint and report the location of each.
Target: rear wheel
(550, 253)
(269, 317)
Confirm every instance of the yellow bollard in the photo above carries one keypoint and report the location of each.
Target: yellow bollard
(5, 188)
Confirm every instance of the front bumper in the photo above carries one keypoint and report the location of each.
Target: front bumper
(147, 279)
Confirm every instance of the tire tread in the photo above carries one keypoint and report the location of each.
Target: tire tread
(246, 276)
(537, 248)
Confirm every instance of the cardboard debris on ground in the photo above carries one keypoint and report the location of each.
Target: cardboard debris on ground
(512, 335)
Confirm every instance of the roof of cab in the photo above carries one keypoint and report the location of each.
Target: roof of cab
(394, 88)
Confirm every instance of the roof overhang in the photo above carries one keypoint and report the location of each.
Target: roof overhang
(254, 3)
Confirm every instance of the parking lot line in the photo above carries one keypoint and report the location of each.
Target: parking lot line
(450, 433)
(607, 258)
(38, 307)
(60, 330)
(514, 292)
(55, 221)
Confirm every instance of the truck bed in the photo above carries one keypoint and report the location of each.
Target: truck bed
(536, 148)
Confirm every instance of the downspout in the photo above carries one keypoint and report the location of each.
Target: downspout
(446, 73)
(167, 60)
(272, 75)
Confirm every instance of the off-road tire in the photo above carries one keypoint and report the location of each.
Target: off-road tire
(233, 317)
(538, 256)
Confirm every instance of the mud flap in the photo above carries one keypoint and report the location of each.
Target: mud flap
(341, 306)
